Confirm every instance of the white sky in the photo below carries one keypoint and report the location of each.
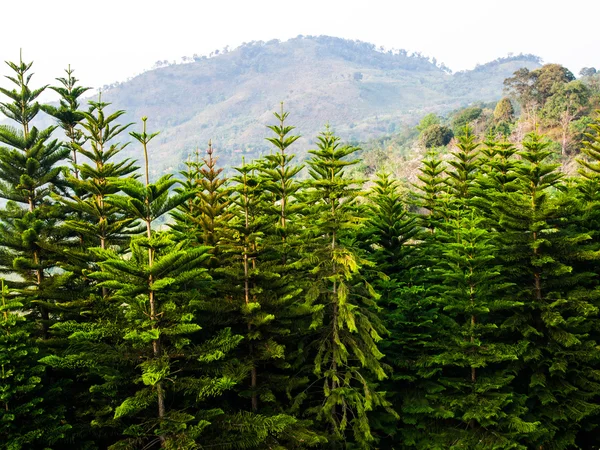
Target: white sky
(110, 40)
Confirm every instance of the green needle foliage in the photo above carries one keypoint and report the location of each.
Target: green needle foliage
(204, 218)
(92, 322)
(68, 114)
(391, 235)
(29, 173)
(264, 314)
(345, 328)
(464, 164)
(26, 421)
(470, 361)
(556, 371)
(99, 224)
(157, 285)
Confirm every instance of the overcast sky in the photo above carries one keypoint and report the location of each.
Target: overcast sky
(110, 40)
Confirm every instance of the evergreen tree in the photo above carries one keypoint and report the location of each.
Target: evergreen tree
(68, 113)
(186, 222)
(99, 224)
(431, 190)
(589, 164)
(204, 217)
(556, 371)
(282, 242)
(472, 404)
(279, 175)
(465, 164)
(586, 214)
(26, 421)
(29, 173)
(391, 234)
(345, 327)
(262, 312)
(137, 282)
(93, 326)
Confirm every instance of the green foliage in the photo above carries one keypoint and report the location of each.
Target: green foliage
(427, 121)
(540, 249)
(68, 114)
(30, 225)
(537, 86)
(464, 118)
(436, 136)
(346, 329)
(504, 111)
(470, 399)
(27, 419)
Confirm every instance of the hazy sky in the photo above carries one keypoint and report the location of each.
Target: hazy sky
(110, 40)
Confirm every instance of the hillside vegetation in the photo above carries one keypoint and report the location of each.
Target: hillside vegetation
(360, 90)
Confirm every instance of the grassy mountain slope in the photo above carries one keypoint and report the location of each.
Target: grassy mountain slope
(362, 92)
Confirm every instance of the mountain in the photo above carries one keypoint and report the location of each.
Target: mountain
(361, 91)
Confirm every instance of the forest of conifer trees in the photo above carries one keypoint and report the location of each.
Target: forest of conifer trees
(291, 305)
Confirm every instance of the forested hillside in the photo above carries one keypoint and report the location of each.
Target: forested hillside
(272, 311)
(549, 100)
(361, 91)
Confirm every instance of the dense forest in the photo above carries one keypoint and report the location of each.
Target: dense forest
(300, 305)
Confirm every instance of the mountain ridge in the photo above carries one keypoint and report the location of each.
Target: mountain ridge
(361, 91)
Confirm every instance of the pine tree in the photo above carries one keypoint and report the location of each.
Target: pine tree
(29, 173)
(186, 222)
(282, 242)
(92, 321)
(345, 328)
(557, 369)
(432, 189)
(279, 175)
(465, 165)
(586, 215)
(137, 283)
(471, 401)
(259, 308)
(68, 113)
(391, 236)
(589, 164)
(99, 224)
(25, 418)
(204, 217)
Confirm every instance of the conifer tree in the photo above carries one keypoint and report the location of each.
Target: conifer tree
(282, 244)
(26, 421)
(93, 326)
(259, 308)
(345, 328)
(29, 173)
(98, 223)
(589, 164)
(586, 215)
(432, 189)
(469, 363)
(391, 235)
(204, 217)
(465, 163)
(186, 224)
(556, 371)
(279, 175)
(68, 113)
(157, 285)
